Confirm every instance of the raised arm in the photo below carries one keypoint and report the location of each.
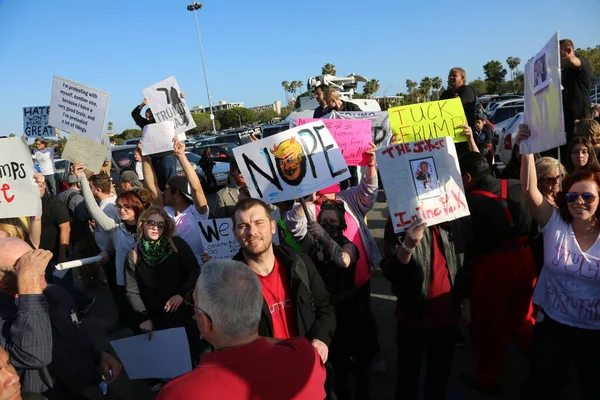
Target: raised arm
(538, 206)
(151, 182)
(468, 132)
(192, 177)
(103, 220)
(343, 256)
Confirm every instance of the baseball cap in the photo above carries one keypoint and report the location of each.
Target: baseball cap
(72, 179)
(481, 116)
(181, 184)
(130, 176)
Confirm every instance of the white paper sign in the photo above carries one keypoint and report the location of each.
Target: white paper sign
(19, 194)
(158, 138)
(422, 181)
(35, 122)
(81, 149)
(166, 356)
(166, 103)
(291, 164)
(217, 238)
(543, 100)
(76, 108)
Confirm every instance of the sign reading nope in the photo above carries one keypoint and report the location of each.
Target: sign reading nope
(291, 164)
(422, 181)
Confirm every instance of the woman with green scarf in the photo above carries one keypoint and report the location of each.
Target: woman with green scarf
(160, 270)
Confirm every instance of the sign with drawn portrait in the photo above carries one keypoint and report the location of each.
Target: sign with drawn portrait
(422, 181)
(292, 163)
(167, 104)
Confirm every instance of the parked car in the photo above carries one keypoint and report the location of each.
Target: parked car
(492, 106)
(270, 130)
(507, 133)
(506, 110)
(220, 170)
(132, 141)
(218, 152)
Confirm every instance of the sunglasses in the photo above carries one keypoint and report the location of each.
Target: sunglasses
(154, 224)
(189, 301)
(125, 207)
(589, 198)
(551, 179)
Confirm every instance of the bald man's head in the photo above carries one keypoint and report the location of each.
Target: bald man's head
(11, 250)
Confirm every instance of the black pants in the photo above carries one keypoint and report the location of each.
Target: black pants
(555, 345)
(364, 296)
(438, 346)
(210, 177)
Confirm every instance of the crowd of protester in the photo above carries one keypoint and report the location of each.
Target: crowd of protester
(294, 321)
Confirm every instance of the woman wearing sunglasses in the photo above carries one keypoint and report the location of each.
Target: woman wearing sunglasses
(568, 290)
(161, 269)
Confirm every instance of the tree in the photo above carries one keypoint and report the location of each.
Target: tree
(371, 87)
(131, 134)
(12, 135)
(436, 84)
(267, 116)
(236, 116)
(203, 124)
(426, 86)
(286, 89)
(328, 69)
(479, 86)
(494, 75)
(593, 55)
(513, 63)
(110, 126)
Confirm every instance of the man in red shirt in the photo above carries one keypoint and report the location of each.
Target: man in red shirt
(228, 303)
(296, 302)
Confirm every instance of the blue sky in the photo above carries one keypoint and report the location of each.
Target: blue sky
(124, 46)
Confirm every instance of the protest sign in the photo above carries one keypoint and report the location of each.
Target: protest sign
(543, 111)
(217, 238)
(292, 163)
(158, 138)
(76, 108)
(425, 121)
(166, 103)
(19, 194)
(422, 181)
(35, 122)
(82, 149)
(352, 136)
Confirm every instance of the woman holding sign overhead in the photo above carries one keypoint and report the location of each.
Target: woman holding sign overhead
(161, 269)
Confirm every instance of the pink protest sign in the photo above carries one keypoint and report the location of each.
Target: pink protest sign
(352, 136)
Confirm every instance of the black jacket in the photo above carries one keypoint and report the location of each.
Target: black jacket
(137, 117)
(315, 314)
(468, 97)
(410, 282)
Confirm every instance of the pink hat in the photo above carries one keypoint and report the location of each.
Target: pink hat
(331, 189)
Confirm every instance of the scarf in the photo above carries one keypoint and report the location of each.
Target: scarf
(153, 253)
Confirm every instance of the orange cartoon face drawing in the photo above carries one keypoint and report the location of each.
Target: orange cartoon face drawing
(291, 161)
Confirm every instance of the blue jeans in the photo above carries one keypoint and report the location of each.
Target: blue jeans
(164, 168)
(51, 184)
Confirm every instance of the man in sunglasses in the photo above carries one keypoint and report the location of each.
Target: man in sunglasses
(228, 307)
(504, 271)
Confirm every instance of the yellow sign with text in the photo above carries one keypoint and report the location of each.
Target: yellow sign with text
(426, 121)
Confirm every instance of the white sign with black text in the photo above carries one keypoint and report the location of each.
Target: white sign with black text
(166, 103)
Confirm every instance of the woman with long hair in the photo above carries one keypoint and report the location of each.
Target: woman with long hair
(568, 323)
(581, 156)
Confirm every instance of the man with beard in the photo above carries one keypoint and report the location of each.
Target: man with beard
(291, 161)
(296, 300)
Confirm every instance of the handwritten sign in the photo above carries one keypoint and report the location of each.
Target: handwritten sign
(19, 194)
(217, 238)
(76, 108)
(543, 111)
(35, 122)
(158, 138)
(81, 149)
(422, 181)
(426, 121)
(292, 163)
(352, 136)
(166, 103)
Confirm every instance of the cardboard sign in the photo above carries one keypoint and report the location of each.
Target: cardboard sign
(426, 121)
(166, 103)
(35, 122)
(158, 138)
(217, 238)
(19, 194)
(292, 163)
(543, 101)
(81, 149)
(422, 181)
(352, 136)
(76, 108)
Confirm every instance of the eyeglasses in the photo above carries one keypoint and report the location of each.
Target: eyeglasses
(156, 224)
(589, 198)
(189, 301)
(551, 179)
(125, 207)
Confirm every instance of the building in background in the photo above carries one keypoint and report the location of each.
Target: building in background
(220, 106)
(276, 106)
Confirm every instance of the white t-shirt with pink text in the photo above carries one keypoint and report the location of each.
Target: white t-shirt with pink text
(568, 288)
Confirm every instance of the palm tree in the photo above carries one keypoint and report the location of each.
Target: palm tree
(426, 85)
(328, 69)
(371, 87)
(110, 126)
(437, 85)
(286, 89)
(513, 63)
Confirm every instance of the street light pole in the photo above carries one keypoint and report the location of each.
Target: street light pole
(194, 7)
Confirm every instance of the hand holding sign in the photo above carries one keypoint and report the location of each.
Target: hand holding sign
(414, 234)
